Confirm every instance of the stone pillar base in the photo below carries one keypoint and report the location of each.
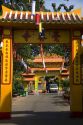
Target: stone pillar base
(76, 114)
(5, 115)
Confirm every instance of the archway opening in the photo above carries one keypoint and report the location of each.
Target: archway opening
(53, 68)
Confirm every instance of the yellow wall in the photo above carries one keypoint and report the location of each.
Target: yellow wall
(33, 36)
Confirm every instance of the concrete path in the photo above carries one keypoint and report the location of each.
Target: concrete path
(45, 109)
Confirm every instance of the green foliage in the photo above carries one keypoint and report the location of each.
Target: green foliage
(17, 81)
(67, 9)
(25, 5)
(56, 49)
(25, 51)
(30, 51)
(1, 2)
(37, 5)
(65, 83)
(17, 66)
(1, 7)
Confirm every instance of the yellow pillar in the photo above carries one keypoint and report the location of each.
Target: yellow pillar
(6, 75)
(36, 83)
(25, 88)
(75, 80)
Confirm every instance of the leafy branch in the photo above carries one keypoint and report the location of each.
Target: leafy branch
(67, 9)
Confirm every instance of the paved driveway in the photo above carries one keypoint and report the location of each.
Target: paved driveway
(45, 109)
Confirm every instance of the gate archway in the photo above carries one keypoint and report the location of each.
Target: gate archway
(60, 28)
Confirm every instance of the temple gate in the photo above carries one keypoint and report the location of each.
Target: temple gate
(19, 27)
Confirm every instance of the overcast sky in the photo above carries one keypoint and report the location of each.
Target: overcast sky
(76, 3)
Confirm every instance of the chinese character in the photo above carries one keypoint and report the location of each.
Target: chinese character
(6, 49)
(6, 45)
(6, 72)
(6, 41)
(6, 56)
(6, 64)
(76, 68)
(6, 75)
(77, 75)
(6, 67)
(6, 53)
(76, 72)
(6, 60)
(5, 80)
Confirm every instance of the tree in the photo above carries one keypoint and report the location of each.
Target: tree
(25, 5)
(65, 83)
(25, 51)
(67, 9)
(29, 51)
(1, 7)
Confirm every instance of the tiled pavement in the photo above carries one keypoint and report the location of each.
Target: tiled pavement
(45, 109)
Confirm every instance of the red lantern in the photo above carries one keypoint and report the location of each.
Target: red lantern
(37, 19)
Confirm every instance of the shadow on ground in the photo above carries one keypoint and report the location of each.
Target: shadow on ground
(41, 118)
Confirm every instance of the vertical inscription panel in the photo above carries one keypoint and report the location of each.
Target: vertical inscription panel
(76, 61)
(6, 69)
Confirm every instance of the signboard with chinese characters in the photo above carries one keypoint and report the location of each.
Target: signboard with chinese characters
(32, 36)
(76, 55)
(6, 61)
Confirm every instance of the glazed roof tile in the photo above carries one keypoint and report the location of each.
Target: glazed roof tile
(49, 69)
(19, 16)
(29, 79)
(64, 74)
(47, 60)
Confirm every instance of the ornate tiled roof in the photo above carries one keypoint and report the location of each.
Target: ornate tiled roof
(49, 60)
(29, 79)
(26, 16)
(45, 17)
(48, 69)
(65, 74)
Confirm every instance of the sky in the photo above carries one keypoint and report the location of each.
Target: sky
(76, 3)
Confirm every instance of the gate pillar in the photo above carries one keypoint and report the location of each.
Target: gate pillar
(6, 75)
(75, 80)
(36, 84)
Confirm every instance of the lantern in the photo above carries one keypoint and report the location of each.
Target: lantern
(40, 27)
(33, 7)
(43, 33)
(37, 19)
